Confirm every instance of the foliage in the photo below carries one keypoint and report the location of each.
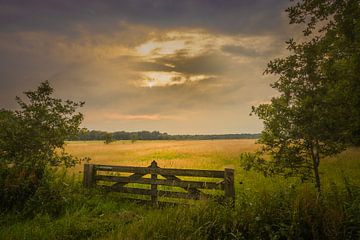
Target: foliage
(108, 138)
(134, 137)
(155, 135)
(266, 208)
(317, 112)
(32, 139)
(335, 25)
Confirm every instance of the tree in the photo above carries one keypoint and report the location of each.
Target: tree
(32, 139)
(335, 25)
(317, 112)
(108, 138)
(134, 137)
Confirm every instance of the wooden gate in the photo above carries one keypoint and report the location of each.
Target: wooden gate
(169, 178)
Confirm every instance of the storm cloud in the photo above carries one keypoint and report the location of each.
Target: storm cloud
(231, 16)
(176, 66)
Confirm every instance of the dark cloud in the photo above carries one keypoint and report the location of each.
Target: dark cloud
(230, 16)
(254, 52)
(207, 63)
(152, 66)
(240, 50)
(210, 93)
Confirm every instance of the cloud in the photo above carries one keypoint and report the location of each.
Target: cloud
(109, 74)
(240, 50)
(182, 67)
(206, 63)
(177, 66)
(231, 16)
(151, 117)
(255, 51)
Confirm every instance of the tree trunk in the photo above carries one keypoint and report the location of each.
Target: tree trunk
(317, 176)
(316, 161)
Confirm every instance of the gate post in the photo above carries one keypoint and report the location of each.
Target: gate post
(153, 168)
(89, 175)
(229, 185)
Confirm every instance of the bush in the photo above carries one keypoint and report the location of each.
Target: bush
(31, 140)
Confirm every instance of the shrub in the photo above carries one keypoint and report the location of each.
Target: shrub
(31, 140)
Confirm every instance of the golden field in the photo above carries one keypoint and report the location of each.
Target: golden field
(200, 154)
(260, 201)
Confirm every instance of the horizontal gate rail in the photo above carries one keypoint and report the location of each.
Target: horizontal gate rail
(224, 183)
(165, 182)
(162, 171)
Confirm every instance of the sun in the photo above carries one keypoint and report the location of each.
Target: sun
(150, 84)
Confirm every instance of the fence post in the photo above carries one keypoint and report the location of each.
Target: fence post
(153, 182)
(89, 175)
(229, 185)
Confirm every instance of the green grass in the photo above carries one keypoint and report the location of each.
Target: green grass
(266, 208)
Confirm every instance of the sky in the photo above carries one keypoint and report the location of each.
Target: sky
(182, 67)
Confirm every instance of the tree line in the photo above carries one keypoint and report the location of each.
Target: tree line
(154, 135)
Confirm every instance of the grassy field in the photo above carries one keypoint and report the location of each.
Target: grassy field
(206, 154)
(266, 208)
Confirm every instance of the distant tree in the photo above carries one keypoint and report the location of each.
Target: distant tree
(32, 139)
(317, 112)
(155, 135)
(108, 138)
(134, 137)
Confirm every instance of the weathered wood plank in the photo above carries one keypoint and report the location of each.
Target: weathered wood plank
(166, 182)
(160, 193)
(229, 184)
(122, 179)
(141, 170)
(153, 183)
(162, 171)
(191, 172)
(89, 175)
(193, 191)
(132, 177)
(113, 188)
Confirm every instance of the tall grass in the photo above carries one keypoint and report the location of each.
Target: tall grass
(266, 208)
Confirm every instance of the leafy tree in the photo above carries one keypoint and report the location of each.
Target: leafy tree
(335, 27)
(32, 139)
(134, 137)
(317, 111)
(108, 138)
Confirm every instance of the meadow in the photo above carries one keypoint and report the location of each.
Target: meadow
(266, 208)
(204, 154)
